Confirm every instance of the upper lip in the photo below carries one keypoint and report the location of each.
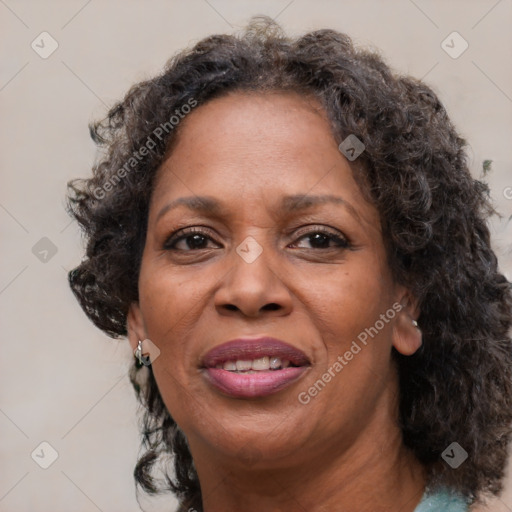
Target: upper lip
(254, 348)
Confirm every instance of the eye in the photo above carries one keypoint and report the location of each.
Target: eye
(322, 238)
(188, 239)
(195, 238)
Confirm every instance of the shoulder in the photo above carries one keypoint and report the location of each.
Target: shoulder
(443, 499)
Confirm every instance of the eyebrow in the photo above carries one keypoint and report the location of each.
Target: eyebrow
(289, 204)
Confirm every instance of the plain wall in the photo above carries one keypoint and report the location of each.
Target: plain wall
(62, 380)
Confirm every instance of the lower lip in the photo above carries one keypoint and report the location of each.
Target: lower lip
(253, 385)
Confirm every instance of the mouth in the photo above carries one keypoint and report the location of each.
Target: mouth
(251, 368)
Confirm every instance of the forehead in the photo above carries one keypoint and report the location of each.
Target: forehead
(267, 144)
(240, 119)
(251, 131)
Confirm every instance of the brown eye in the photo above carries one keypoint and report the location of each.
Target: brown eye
(188, 240)
(324, 239)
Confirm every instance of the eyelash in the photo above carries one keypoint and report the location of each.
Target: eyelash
(183, 234)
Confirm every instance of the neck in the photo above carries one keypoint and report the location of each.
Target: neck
(376, 473)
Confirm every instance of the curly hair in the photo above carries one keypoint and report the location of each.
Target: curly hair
(433, 215)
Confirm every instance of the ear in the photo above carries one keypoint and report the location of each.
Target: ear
(135, 325)
(407, 337)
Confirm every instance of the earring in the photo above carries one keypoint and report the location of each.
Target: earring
(415, 323)
(142, 360)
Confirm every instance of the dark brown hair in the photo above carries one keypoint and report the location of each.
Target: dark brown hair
(414, 168)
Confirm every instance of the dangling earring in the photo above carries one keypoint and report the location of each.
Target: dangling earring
(142, 360)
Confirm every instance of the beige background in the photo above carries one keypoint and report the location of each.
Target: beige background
(63, 381)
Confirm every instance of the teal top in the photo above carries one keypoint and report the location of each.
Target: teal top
(442, 501)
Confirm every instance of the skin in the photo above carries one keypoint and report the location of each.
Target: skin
(342, 450)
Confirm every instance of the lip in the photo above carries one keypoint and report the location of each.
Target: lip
(253, 385)
(245, 348)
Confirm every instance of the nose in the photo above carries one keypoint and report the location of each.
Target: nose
(254, 288)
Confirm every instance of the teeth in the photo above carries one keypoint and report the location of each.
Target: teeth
(275, 363)
(242, 365)
(264, 363)
(230, 365)
(261, 363)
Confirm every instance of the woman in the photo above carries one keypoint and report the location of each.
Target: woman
(289, 236)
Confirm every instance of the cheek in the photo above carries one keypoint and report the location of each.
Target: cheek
(355, 364)
(171, 304)
(357, 339)
(354, 300)
(167, 297)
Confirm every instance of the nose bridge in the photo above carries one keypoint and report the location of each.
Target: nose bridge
(252, 272)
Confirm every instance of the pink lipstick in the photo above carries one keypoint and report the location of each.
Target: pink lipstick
(251, 368)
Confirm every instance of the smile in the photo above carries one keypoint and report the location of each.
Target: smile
(252, 368)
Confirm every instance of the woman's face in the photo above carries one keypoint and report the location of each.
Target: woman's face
(256, 261)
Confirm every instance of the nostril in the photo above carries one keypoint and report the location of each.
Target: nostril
(267, 307)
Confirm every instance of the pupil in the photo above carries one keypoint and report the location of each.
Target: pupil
(195, 241)
(320, 239)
